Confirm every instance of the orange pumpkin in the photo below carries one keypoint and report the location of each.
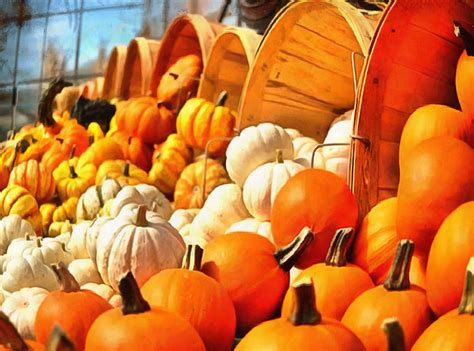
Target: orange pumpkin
(452, 247)
(36, 150)
(180, 82)
(376, 243)
(137, 326)
(101, 151)
(396, 298)
(123, 171)
(33, 176)
(303, 329)
(333, 278)
(319, 200)
(437, 177)
(74, 134)
(74, 310)
(255, 276)
(188, 192)
(55, 155)
(428, 122)
(200, 121)
(10, 339)
(8, 160)
(465, 72)
(197, 298)
(454, 330)
(138, 153)
(145, 118)
(169, 160)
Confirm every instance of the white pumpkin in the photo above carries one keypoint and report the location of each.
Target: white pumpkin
(95, 197)
(142, 194)
(264, 183)
(77, 245)
(106, 292)
(255, 146)
(252, 225)
(293, 133)
(223, 207)
(13, 227)
(49, 252)
(304, 147)
(61, 238)
(21, 308)
(84, 271)
(92, 234)
(139, 241)
(181, 220)
(337, 157)
(28, 271)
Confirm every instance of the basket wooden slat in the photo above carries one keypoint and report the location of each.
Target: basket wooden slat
(114, 72)
(412, 63)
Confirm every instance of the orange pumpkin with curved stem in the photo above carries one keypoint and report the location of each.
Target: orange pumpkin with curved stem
(36, 150)
(434, 185)
(138, 153)
(55, 155)
(319, 200)
(333, 278)
(10, 339)
(445, 277)
(454, 330)
(197, 298)
(144, 118)
(465, 72)
(376, 243)
(200, 121)
(137, 326)
(73, 309)
(180, 81)
(396, 298)
(33, 176)
(169, 160)
(123, 171)
(188, 192)
(303, 329)
(253, 272)
(74, 134)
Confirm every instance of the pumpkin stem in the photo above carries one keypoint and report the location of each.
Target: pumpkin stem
(66, 279)
(72, 172)
(38, 242)
(467, 300)
(289, 254)
(133, 301)
(304, 310)
(465, 36)
(394, 332)
(126, 169)
(399, 275)
(222, 98)
(279, 156)
(90, 140)
(337, 253)
(9, 336)
(129, 140)
(58, 341)
(193, 258)
(73, 151)
(141, 216)
(60, 140)
(15, 156)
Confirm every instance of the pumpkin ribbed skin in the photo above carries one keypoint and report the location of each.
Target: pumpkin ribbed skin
(319, 200)
(434, 185)
(55, 155)
(67, 211)
(74, 134)
(47, 210)
(428, 122)
(142, 118)
(464, 78)
(72, 180)
(188, 191)
(37, 150)
(200, 121)
(102, 150)
(180, 81)
(33, 176)
(452, 247)
(122, 171)
(15, 199)
(169, 160)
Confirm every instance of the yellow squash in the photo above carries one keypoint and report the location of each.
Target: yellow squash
(73, 180)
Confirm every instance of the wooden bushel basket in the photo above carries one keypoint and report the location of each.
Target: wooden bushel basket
(114, 72)
(302, 76)
(412, 63)
(227, 66)
(141, 54)
(186, 35)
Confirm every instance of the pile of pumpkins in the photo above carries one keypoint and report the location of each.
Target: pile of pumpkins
(128, 238)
